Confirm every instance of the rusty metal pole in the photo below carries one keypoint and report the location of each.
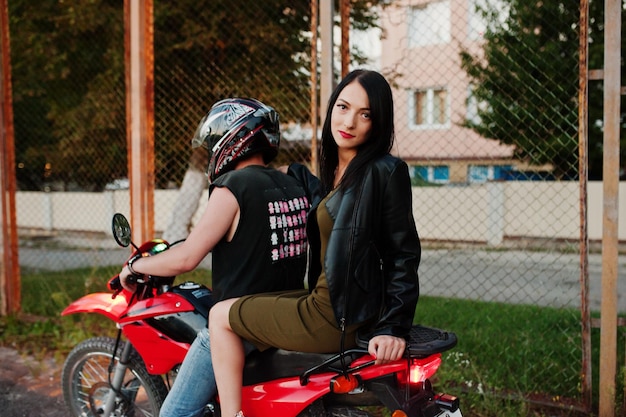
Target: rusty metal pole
(314, 85)
(10, 287)
(583, 168)
(610, 212)
(139, 56)
(327, 73)
(345, 37)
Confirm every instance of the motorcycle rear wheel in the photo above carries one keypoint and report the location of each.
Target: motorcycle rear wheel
(86, 377)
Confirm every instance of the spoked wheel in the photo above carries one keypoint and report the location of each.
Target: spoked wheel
(86, 382)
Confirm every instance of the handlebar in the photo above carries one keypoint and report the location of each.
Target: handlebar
(115, 283)
(147, 283)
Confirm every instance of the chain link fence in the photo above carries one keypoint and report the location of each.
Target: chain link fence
(486, 116)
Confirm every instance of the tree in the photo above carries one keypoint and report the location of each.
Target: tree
(68, 70)
(526, 82)
(272, 65)
(68, 85)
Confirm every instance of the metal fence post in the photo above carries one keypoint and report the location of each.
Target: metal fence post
(140, 115)
(326, 13)
(583, 167)
(610, 179)
(10, 290)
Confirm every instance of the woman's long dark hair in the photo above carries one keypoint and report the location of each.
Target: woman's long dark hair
(381, 135)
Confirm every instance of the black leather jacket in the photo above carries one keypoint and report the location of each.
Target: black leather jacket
(373, 251)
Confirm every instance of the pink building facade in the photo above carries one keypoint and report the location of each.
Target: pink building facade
(420, 53)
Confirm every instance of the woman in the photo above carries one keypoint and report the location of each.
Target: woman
(360, 229)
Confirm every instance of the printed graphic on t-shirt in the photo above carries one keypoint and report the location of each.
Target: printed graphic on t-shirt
(287, 222)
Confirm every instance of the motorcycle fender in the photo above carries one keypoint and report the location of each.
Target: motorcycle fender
(165, 304)
(287, 396)
(159, 352)
(101, 303)
(284, 397)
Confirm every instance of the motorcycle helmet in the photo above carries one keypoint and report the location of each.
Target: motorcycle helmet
(236, 128)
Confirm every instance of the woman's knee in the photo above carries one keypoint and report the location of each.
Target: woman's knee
(218, 315)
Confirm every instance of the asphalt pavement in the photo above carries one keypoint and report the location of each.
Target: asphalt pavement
(29, 387)
(549, 279)
(538, 277)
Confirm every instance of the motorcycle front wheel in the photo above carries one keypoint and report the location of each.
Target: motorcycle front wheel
(86, 377)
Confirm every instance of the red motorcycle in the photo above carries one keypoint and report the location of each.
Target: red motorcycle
(104, 376)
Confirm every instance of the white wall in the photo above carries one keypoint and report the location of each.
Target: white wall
(478, 213)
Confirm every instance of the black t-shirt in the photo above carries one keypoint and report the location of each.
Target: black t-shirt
(268, 251)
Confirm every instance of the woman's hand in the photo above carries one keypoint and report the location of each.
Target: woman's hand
(124, 274)
(385, 348)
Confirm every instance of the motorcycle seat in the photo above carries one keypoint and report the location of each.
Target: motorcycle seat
(423, 341)
(278, 363)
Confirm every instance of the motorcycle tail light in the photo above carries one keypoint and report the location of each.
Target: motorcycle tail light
(420, 369)
(344, 384)
(398, 413)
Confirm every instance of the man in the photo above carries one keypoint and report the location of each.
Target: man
(254, 224)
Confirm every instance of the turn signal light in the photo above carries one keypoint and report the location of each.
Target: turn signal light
(344, 384)
(422, 369)
(398, 413)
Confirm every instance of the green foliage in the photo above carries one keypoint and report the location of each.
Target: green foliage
(525, 81)
(67, 66)
(41, 329)
(69, 79)
(48, 293)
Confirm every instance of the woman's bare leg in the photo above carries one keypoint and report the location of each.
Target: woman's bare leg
(228, 358)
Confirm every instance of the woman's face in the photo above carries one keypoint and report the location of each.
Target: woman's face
(350, 118)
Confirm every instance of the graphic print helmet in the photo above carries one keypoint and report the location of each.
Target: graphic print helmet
(236, 128)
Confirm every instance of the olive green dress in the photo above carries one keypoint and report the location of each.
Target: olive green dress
(294, 320)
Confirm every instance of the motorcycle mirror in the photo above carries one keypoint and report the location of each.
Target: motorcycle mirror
(121, 230)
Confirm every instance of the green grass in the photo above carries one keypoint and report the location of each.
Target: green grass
(510, 346)
(504, 353)
(40, 329)
(510, 352)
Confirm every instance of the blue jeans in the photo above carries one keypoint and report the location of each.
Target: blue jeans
(195, 384)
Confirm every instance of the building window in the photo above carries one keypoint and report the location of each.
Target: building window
(439, 174)
(429, 24)
(428, 108)
(484, 173)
